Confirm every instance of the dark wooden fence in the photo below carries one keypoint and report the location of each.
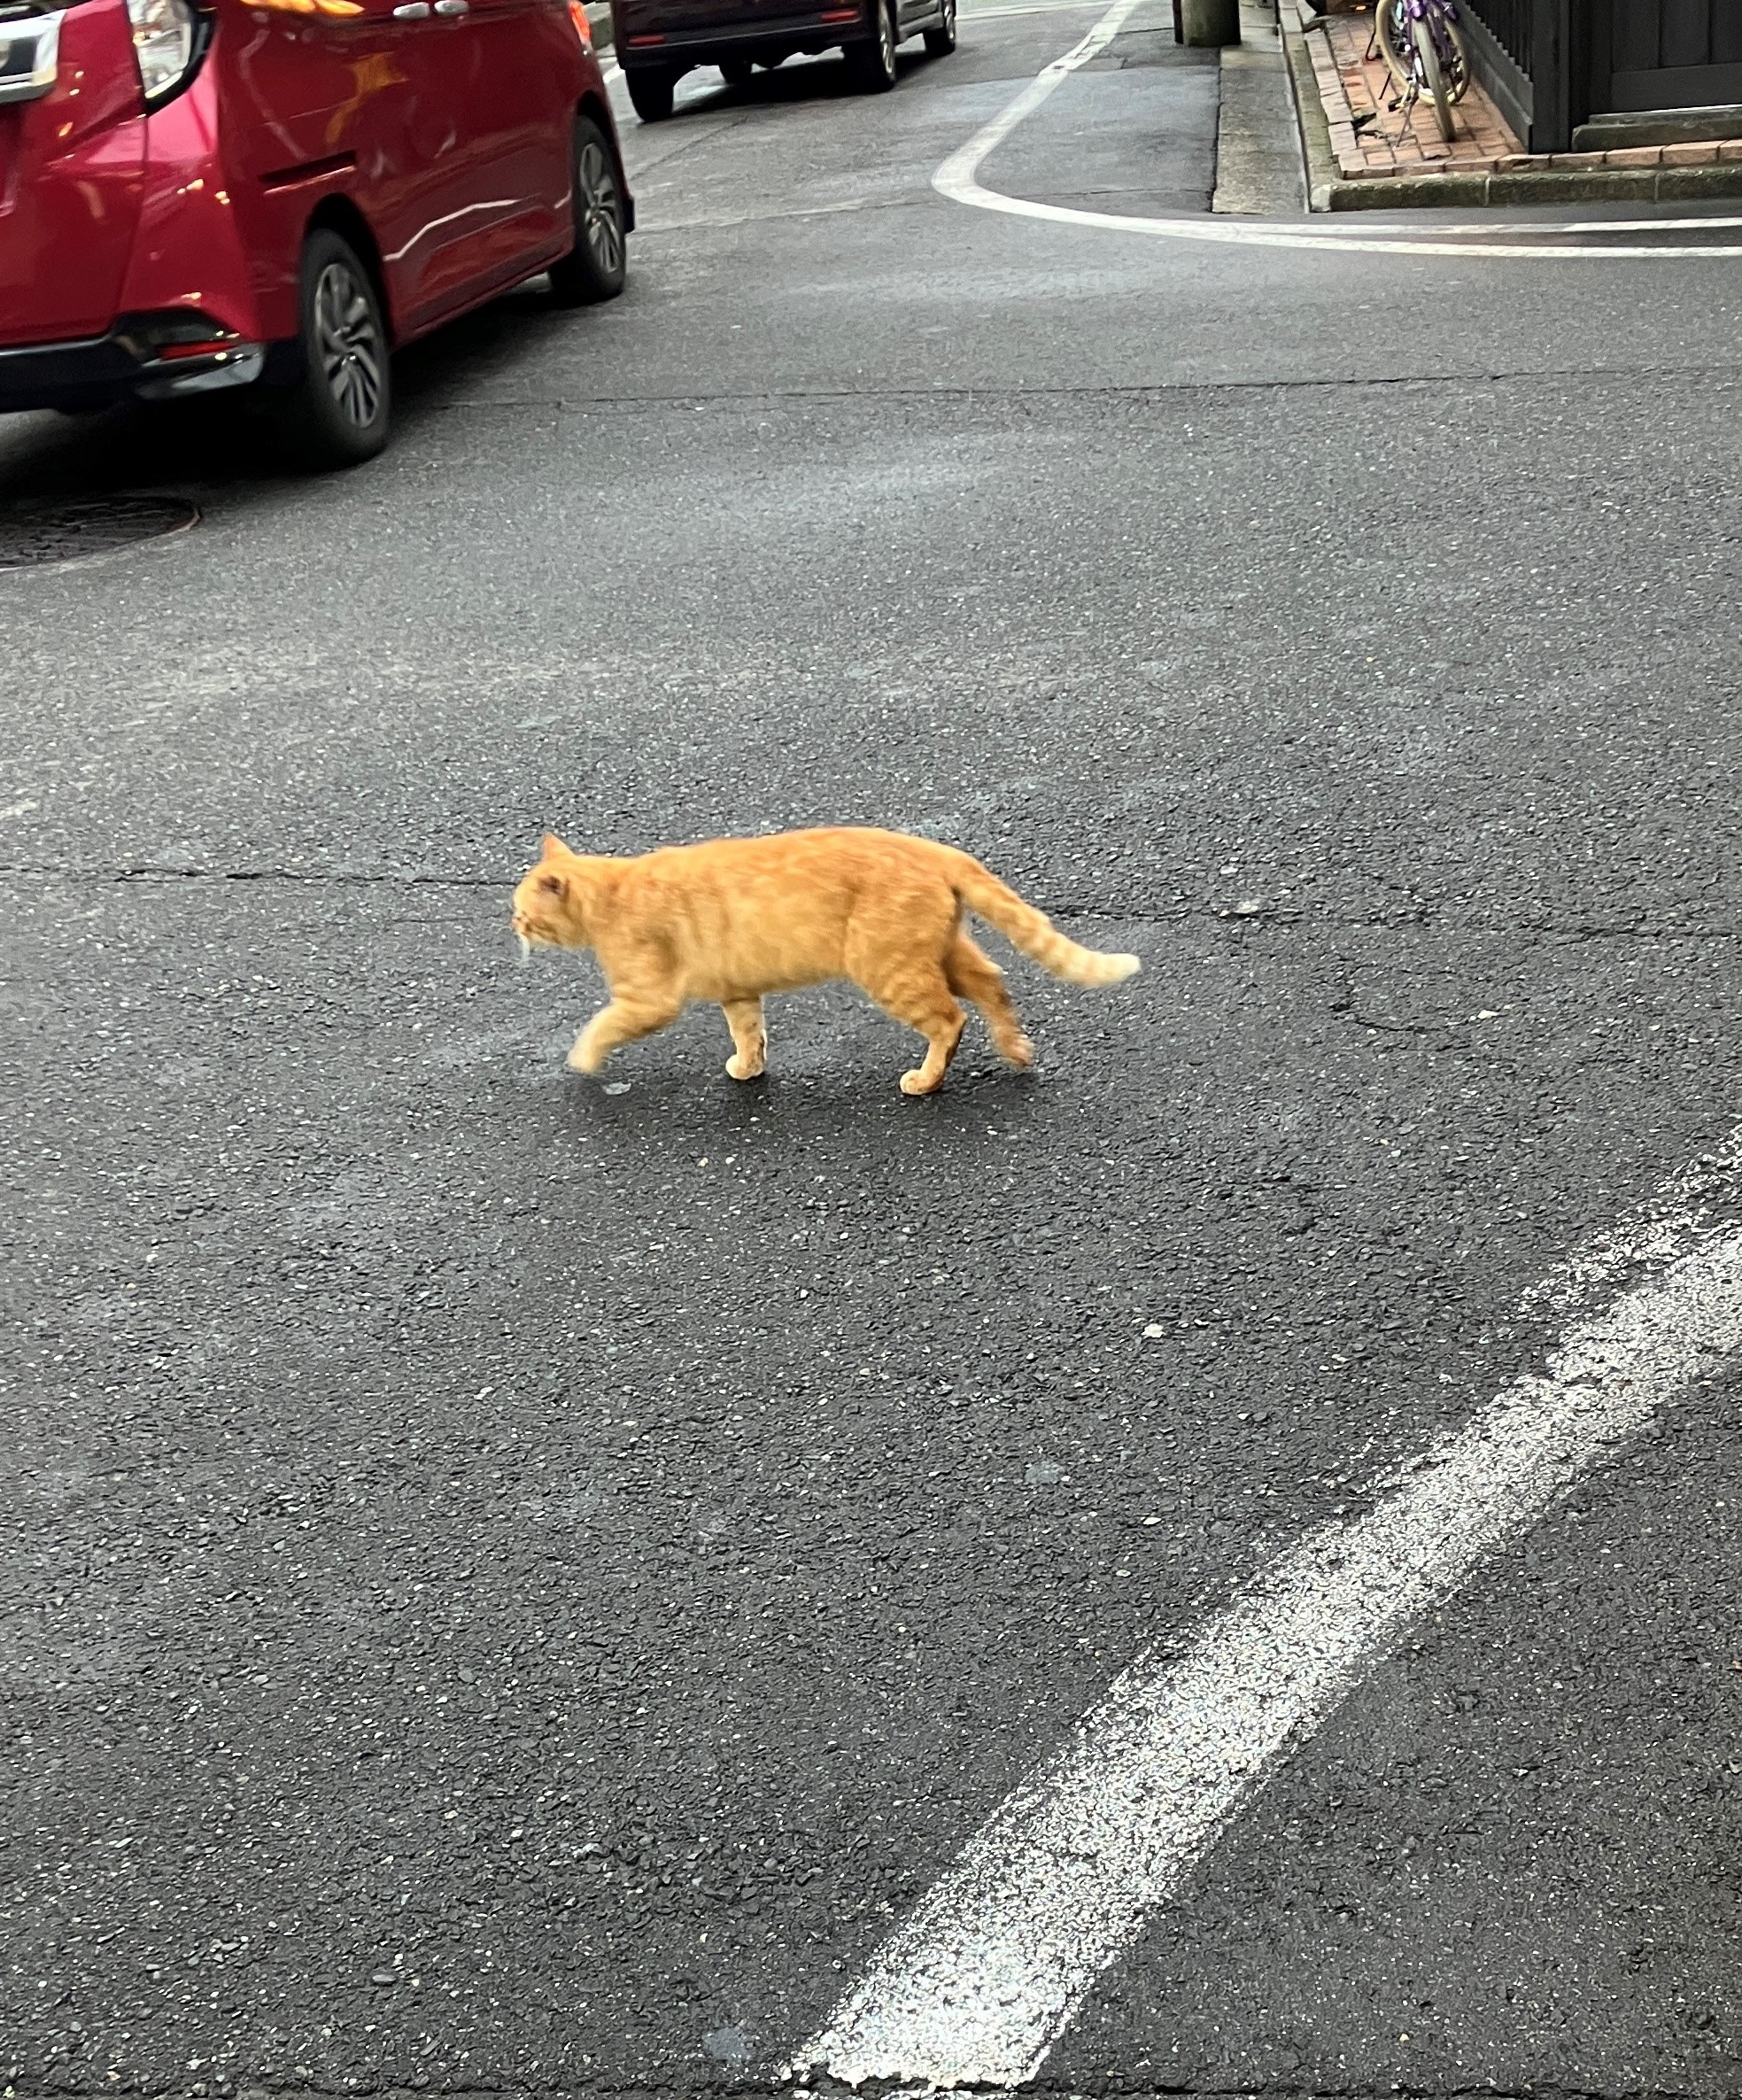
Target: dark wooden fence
(1671, 54)
(1551, 64)
(1519, 50)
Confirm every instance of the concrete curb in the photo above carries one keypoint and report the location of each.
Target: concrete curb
(1327, 190)
(599, 20)
(1315, 125)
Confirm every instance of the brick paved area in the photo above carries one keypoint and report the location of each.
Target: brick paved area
(1370, 138)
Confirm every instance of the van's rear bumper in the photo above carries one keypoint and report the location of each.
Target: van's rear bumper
(123, 365)
(744, 39)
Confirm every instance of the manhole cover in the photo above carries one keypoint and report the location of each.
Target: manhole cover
(34, 533)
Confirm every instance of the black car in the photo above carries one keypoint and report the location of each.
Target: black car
(659, 41)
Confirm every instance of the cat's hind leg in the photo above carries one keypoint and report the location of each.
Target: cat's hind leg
(624, 1020)
(973, 975)
(918, 995)
(744, 1017)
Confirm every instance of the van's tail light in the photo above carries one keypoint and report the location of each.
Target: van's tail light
(168, 42)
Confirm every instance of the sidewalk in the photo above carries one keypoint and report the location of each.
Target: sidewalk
(1361, 154)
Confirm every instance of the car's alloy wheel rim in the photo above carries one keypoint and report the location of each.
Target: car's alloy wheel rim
(347, 345)
(885, 43)
(601, 211)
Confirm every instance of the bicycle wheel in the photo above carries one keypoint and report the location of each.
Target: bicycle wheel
(1391, 21)
(1432, 78)
(1454, 60)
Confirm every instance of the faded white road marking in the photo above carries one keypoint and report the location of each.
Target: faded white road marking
(958, 179)
(978, 1984)
(1676, 1219)
(996, 14)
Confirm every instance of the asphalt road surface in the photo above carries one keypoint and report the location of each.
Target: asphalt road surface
(509, 1584)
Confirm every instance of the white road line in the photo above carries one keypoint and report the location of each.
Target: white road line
(978, 1984)
(998, 14)
(1677, 1218)
(958, 179)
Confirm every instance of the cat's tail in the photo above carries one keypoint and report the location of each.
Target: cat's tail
(1032, 931)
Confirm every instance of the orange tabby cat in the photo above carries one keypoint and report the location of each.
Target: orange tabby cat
(736, 918)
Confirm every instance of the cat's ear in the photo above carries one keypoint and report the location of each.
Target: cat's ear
(554, 848)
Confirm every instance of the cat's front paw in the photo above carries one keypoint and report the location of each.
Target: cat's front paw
(918, 1081)
(739, 1067)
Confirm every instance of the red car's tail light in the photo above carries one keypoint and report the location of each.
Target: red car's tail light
(174, 335)
(582, 27)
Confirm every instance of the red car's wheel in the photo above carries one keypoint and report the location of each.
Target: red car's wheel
(593, 269)
(338, 413)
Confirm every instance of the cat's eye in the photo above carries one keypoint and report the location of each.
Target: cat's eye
(555, 884)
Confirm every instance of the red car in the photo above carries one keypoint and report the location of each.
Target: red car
(659, 41)
(202, 194)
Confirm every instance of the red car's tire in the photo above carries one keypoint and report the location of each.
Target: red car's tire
(338, 412)
(594, 268)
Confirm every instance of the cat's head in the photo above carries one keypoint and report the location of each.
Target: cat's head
(547, 904)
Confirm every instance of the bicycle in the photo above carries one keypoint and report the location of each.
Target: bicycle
(1424, 54)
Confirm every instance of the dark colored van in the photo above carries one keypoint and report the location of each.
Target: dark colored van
(659, 41)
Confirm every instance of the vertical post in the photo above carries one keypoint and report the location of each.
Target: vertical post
(1550, 75)
(1209, 21)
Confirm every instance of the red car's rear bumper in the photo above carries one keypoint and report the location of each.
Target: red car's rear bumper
(130, 362)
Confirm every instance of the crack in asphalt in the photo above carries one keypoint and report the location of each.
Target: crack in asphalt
(1343, 1008)
(1159, 392)
(1448, 1034)
(150, 872)
(1419, 915)
(719, 123)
